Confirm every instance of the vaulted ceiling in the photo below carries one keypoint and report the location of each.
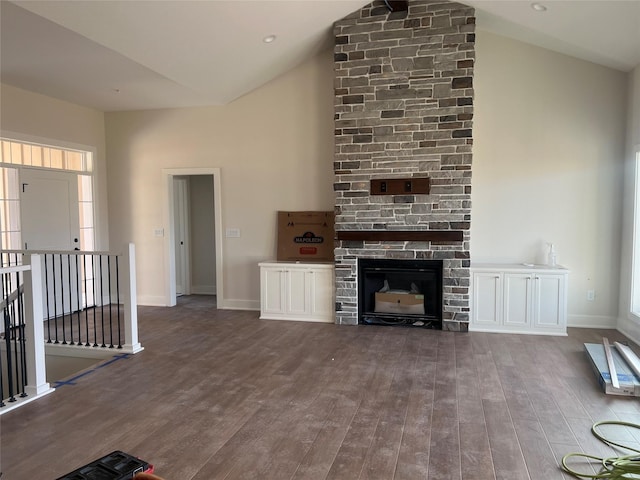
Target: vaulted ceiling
(144, 54)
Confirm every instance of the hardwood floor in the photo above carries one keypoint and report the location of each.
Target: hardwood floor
(224, 395)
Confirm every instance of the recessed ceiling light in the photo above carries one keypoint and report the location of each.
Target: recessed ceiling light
(269, 39)
(538, 7)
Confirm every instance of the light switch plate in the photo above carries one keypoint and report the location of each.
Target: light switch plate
(233, 233)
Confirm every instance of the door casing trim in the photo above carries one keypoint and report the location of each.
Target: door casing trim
(169, 228)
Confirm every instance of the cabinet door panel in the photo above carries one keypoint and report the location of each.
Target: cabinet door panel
(548, 301)
(298, 302)
(273, 290)
(487, 299)
(517, 299)
(322, 304)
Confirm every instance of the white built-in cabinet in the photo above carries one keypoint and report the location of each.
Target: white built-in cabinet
(297, 291)
(519, 299)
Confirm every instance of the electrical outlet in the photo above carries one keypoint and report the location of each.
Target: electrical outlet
(591, 295)
(232, 233)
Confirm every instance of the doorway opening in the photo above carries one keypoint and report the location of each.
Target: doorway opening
(193, 239)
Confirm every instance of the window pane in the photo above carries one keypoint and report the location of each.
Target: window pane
(88, 160)
(56, 158)
(4, 215)
(21, 153)
(86, 240)
(11, 241)
(9, 183)
(16, 153)
(86, 214)
(84, 188)
(26, 154)
(5, 152)
(74, 160)
(10, 215)
(36, 156)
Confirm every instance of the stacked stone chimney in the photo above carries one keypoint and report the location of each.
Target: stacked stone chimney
(404, 109)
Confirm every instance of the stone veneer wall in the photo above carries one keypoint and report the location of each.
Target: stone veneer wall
(404, 108)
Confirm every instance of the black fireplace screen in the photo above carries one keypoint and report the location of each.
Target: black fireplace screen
(400, 292)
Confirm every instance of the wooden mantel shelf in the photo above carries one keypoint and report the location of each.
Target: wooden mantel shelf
(401, 235)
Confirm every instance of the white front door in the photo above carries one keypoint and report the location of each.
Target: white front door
(49, 209)
(50, 221)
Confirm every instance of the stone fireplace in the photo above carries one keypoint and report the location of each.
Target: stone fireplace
(403, 137)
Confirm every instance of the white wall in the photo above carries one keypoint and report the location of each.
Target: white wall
(549, 137)
(274, 147)
(35, 117)
(625, 324)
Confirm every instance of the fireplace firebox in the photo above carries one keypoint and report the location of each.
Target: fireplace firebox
(400, 292)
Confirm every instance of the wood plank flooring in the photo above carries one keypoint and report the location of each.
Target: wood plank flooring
(224, 395)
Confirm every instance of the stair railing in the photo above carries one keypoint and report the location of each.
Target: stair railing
(22, 356)
(87, 305)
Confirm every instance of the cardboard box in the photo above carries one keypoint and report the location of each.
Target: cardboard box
(306, 236)
(629, 382)
(403, 303)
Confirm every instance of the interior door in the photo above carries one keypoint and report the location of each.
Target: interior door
(181, 235)
(50, 221)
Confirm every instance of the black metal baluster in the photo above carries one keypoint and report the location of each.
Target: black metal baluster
(110, 302)
(6, 289)
(12, 315)
(78, 297)
(46, 296)
(118, 302)
(2, 404)
(55, 297)
(70, 299)
(64, 329)
(23, 344)
(95, 292)
(14, 335)
(86, 300)
(102, 299)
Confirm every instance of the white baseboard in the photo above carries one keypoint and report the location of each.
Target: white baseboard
(203, 289)
(152, 301)
(629, 329)
(591, 321)
(517, 331)
(234, 304)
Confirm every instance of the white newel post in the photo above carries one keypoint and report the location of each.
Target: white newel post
(131, 344)
(34, 328)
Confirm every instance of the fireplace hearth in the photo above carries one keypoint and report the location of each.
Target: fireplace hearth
(400, 292)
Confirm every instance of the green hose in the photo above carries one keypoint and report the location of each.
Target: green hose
(614, 468)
